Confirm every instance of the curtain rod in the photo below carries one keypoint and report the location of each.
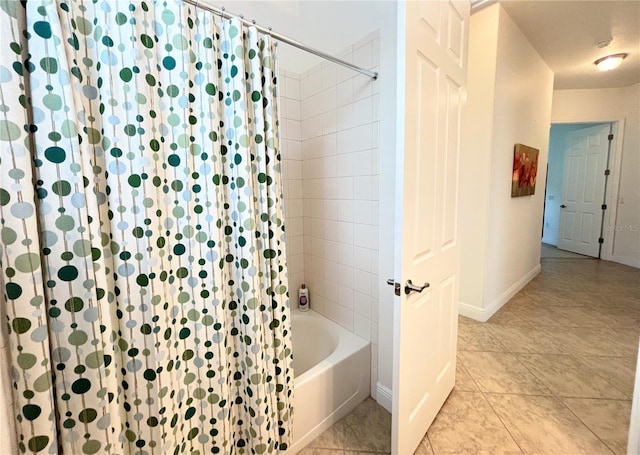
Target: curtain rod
(282, 38)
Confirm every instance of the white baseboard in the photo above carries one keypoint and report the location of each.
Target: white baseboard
(484, 314)
(384, 397)
(625, 260)
(472, 312)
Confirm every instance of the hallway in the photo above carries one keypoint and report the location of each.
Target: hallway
(552, 372)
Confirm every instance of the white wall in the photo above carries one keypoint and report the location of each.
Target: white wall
(555, 174)
(476, 148)
(521, 112)
(622, 229)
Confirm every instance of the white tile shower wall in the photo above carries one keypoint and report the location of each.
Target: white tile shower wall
(290, 147)
(339, 116)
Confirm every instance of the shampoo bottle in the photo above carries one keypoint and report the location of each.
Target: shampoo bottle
(303, 298)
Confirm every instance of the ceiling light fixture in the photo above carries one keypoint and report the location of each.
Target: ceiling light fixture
(610, 62)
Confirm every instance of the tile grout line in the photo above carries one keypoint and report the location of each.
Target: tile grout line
(502, 422)
(589, 370)
(492, 408)
(549, 353)
(586, 426)
(559, 399)
(573, 356)
(430, 443)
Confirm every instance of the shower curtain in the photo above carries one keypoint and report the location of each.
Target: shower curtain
(141, 230)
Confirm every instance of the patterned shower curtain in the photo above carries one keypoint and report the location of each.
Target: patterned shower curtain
(141, 230)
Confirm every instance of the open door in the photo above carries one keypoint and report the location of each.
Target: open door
(585, 162)
(427, 250)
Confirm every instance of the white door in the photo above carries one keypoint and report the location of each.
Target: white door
(583, 183)
(427, 243)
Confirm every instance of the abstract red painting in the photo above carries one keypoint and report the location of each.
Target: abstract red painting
(525, 170)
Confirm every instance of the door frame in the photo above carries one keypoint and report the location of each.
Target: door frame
(612, 187)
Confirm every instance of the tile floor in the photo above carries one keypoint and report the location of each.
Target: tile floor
(551, 373)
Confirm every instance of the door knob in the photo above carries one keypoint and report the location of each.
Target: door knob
(563, 206)
(410, 287)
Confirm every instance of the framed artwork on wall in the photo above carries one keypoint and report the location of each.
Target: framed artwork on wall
(525, 170)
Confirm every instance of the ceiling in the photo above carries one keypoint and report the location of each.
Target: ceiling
(565, 34)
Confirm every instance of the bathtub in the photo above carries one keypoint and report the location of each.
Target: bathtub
(332, 375)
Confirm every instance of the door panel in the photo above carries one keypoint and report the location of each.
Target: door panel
(592, 169)
(430, 16)
(424, 171)
(451, 165)
(456, 35)
(586, 155)
(427, 246)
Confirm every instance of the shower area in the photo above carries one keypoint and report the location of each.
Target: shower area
(136, 283)
(330, 124)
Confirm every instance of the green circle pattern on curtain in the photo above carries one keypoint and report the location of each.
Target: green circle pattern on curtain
(142, 230)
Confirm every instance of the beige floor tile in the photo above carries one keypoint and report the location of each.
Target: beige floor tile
(544, 426)
(590, 315)
(562, 298)
(424, 448)
(576, 341)
(367, 428)
(467, 424)
(567, 376)
(618, 342)
(547, 298)
(464, 383)
(501, 373)
(620, 300)
(333, 438)
(613, 316)
(619, 371)
(551, 251)
(509, 315)
(316, 451)
(465, 320)
(527, 339)
(536, 315)
(477, 337)
(608, 419)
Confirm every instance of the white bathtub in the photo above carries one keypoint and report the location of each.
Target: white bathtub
(332, 375)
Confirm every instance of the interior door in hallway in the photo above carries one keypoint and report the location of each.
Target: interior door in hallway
(585, 162)
(427, 247)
